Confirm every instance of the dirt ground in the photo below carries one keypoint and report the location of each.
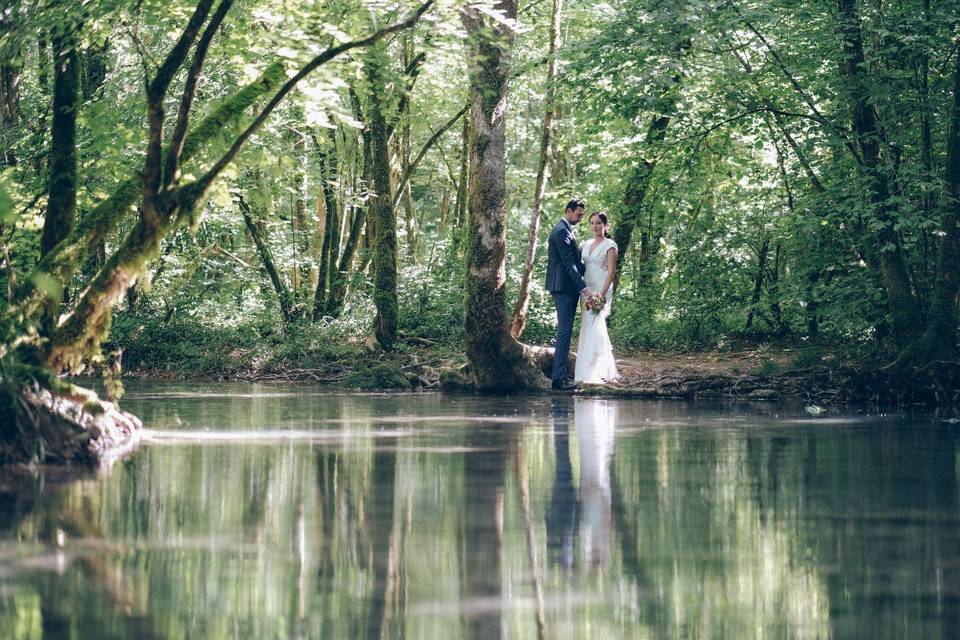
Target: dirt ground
(655, 366)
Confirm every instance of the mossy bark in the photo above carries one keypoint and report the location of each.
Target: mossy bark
(382, 214)
(497, 361)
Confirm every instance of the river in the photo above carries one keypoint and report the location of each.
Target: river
(262, 511)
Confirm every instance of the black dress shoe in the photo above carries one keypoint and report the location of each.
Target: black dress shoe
(563, 385)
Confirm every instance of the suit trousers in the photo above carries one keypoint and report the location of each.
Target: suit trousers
(566, 305)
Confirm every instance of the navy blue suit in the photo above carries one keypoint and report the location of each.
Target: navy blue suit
(564, 282)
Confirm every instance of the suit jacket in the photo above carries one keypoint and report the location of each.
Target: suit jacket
(564, 263)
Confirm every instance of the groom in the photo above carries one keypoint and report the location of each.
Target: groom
(565, 283)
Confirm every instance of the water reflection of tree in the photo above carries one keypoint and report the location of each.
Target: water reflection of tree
(484, 475)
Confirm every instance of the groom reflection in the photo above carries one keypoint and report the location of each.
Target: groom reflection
(562, 512)
(585, 514)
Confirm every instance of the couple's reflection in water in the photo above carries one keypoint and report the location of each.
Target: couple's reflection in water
(576, 518)
(581, 517)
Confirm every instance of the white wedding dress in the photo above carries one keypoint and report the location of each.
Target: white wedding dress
(595, 363)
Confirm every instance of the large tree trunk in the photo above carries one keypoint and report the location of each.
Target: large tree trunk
(62, 200)
(903, 307)
(497, 361)
(518, 319)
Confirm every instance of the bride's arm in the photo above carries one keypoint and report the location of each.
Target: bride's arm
(611, 269)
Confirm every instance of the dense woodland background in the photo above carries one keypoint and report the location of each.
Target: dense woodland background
(777, 172)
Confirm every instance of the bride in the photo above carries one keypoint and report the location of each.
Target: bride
(595, 363)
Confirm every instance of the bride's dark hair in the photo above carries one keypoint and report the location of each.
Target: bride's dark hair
(603, 219)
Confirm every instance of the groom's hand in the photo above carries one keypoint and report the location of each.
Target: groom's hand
(585, 295)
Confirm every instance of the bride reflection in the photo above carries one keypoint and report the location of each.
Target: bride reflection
(584, 513)
(594, 421)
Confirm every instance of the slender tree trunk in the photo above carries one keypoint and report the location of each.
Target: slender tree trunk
(43, 81)
(902, 303)
(329, 252)
(409, 212)
(444, 209)
(518, 319)
(260, 237)
(300, 225)
(497, 361)
(11, 68)
(758, 281)
(338, 285)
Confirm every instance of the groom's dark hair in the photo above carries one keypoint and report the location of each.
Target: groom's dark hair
(574, 204)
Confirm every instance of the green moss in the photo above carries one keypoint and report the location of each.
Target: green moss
(93, 407)
(380, 376)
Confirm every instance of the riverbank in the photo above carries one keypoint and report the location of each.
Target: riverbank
(814, 376)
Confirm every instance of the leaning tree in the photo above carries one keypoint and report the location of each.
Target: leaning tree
(37, 345)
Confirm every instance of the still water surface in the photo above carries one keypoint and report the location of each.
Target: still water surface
(275, 512)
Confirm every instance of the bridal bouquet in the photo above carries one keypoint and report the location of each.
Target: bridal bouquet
(595, 303)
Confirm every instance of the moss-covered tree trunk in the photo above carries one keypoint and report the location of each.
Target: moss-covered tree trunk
(518, 318)
(382, 215)
(902, 303)
(496, 360)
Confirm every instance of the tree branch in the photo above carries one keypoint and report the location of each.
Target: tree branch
(156, 91)
(423, 151)
(195, 190)
(172, 170)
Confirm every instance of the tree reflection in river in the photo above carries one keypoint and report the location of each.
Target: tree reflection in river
(425, 517)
